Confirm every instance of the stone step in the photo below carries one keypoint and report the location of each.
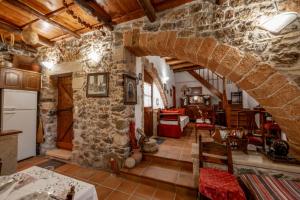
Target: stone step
(60, 154)
(171, 161)
(172, 173)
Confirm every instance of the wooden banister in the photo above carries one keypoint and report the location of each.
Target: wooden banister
(207, 84)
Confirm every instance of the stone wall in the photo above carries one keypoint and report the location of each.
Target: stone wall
(100, 124)
(253, 58)
(235, 23)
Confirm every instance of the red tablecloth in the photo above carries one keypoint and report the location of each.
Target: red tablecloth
(219, 185)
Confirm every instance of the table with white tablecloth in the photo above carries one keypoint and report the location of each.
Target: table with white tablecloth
(44, 180)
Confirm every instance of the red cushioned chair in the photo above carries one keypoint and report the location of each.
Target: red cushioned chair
(206, 115)
(217, 184)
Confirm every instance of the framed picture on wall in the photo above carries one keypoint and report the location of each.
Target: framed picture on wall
(130, 90)
(97, 85)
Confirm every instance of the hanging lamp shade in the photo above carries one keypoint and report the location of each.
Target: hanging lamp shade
(29, 36)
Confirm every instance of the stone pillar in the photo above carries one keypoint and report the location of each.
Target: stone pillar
(48, 108)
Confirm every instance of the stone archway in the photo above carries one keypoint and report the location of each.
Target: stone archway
(149, 67)
(271, 89)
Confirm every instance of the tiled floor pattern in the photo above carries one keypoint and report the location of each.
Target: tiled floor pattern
(111, 187)
(179, 149)
(172, 172)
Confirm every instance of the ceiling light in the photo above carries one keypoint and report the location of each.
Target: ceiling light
(48, 64)
(165, 79)
(278, 22)
(29, 36)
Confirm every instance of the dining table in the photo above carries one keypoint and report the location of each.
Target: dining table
(37, 180)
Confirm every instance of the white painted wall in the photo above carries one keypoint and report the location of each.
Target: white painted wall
(139, 106)
(166, 75)
(185, 79)
(248, 101)
(157, 100)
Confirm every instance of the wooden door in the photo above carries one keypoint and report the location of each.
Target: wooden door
(148, 108)
(65, 113)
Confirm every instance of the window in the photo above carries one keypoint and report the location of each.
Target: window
(147, 95)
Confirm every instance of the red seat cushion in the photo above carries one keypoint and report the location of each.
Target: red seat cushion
(258, 141)
(203, 125)
(219, 185)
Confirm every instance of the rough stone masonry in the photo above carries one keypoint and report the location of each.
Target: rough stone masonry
(100, 124)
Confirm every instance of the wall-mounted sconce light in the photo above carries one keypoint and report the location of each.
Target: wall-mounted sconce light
(48, 64)
(165, 79)
(94, 56)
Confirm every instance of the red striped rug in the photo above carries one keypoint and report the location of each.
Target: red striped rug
(271, 188)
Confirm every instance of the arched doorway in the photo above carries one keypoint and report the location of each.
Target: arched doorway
(270, 88)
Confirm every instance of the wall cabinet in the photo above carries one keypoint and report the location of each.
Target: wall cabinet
(13, 78)
(31, 81)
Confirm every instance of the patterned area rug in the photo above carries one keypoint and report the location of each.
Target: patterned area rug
(51, 164)
(160, 140)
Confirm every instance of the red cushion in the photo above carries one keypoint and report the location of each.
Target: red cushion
(271, 126)
(203, 125)
(169, 111)
(169, 117)
(166, 130)
(181, 111)
(258, 141)
(219, 185)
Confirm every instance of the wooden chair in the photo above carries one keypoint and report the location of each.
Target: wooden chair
(236, 136)
(214, 183)
(206, 114)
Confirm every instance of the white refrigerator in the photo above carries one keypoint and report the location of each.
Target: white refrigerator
(19, 112)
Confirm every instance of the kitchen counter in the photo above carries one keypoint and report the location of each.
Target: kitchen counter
(9, 132)
(9, 151)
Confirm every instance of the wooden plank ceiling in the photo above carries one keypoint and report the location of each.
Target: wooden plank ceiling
(180, 65)
(52, 21)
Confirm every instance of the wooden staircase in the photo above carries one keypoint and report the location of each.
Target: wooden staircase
(216, 84)
(211, 80)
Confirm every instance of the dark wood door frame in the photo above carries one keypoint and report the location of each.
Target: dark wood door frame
(148, 111)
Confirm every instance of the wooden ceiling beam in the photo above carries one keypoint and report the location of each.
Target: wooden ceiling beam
(30, 10)
(51, 14)
(148, 9)
(167, 4)
(99, 13)
(187, 69)
(17, 30)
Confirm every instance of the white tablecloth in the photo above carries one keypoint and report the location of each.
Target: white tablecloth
(54, 183)
(184, 120)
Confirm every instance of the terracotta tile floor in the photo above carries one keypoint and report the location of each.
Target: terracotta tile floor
(111, 187)
(165, 170)
(179, 149)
